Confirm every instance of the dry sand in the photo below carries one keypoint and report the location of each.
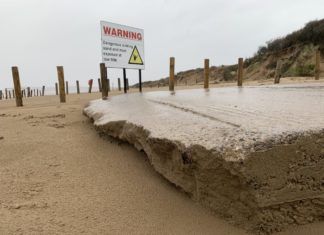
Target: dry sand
(58, 176)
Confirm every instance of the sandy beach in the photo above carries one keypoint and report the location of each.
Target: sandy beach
(58, 176)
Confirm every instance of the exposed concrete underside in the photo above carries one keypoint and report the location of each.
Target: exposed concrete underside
(254, 155)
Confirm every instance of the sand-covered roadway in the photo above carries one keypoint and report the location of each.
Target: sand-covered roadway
(58, 176)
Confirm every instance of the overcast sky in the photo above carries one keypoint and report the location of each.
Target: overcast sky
(38, 35)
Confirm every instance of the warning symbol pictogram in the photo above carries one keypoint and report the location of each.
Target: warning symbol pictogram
(135, 57)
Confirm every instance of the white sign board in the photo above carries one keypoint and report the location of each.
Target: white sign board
(122, 46)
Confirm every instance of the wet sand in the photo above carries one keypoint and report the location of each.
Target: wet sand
(58, 176)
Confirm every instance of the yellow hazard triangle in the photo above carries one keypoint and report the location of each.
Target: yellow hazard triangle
(135, 57)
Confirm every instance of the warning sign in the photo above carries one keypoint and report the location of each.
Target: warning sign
(122, 46)
(135, 57)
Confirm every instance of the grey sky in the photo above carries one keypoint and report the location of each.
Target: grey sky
(38, 35)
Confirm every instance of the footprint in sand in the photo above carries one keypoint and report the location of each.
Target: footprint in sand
(28, 117)
(39, 120)
(56, 125)
(29, 205)
(8, 115)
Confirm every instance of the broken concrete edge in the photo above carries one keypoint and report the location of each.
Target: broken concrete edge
(256, 189)
(229, 153)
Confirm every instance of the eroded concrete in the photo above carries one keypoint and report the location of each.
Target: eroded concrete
(254, 155)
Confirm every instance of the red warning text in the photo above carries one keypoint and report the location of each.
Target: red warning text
(121, 33)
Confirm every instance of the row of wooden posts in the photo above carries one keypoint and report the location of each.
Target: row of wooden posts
(28, 92)
(103, 83)
(206, 73)
(104, 86)
(240, 71)
(61, 87)
(90, 86)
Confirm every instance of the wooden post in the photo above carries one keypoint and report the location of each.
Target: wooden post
(90, 85)
(28, 91)
(108, 83)
(60, 75)
(78, 86)
(206, 74)
(16, 81)
(99, 85)
(67, 87)
(127, 84)
(171, 78)
(124, 77)
(0, 94)
(37, 92)
(103, 75)
(278, 72)
(317, 64)
(31, 93)
(119, 87)
(6, 92)
(43, 90)
(9, 94)
(56, 88)
(240, 72)
(140, 79)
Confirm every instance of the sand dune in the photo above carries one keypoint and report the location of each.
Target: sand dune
(58, 176)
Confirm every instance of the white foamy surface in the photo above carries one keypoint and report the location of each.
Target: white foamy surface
(221, 117)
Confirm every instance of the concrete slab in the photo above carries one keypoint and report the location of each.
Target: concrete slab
(254, 155)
